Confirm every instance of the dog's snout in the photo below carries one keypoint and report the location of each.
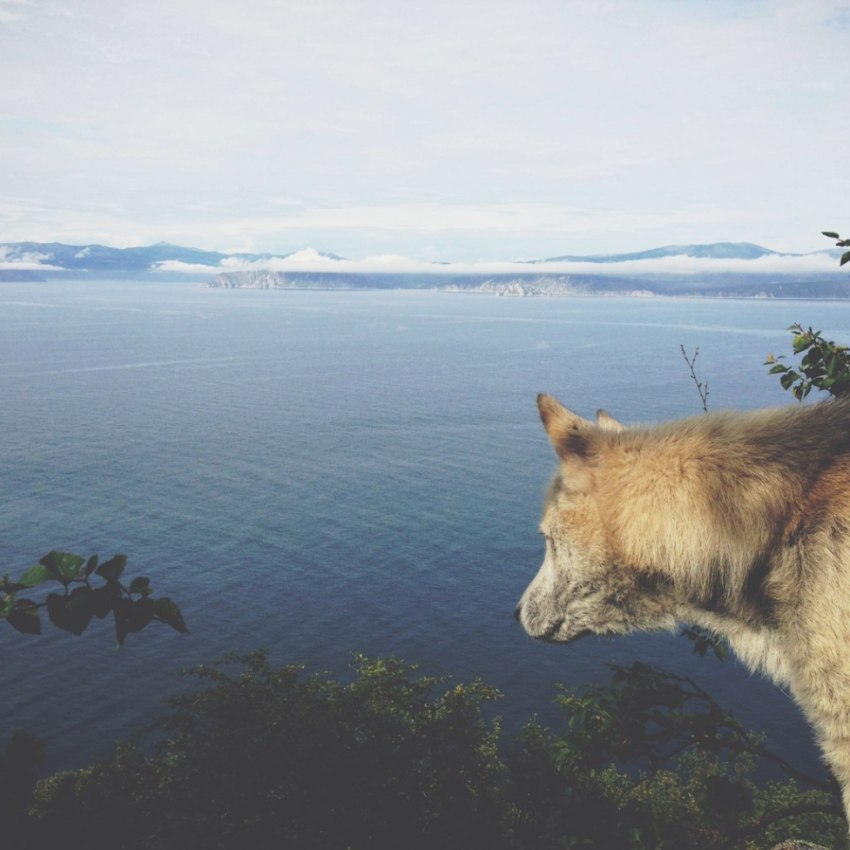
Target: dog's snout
(518, 612)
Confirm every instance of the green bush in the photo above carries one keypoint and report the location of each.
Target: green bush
(824, 364)
(270, 758)
(266, 758)
(651, 761)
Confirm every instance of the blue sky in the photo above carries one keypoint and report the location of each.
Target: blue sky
(436, 130)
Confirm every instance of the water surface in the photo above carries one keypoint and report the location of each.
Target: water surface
(321, 473)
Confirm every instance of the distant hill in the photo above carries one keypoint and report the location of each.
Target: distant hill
(650, 272)
(713, 251)
(100, 258)
(99, 261)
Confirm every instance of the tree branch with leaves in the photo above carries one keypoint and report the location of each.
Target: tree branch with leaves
(825, 365)
(132, 606)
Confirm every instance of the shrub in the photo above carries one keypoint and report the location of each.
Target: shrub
(265, 757)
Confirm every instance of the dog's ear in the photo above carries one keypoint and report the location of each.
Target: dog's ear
(607, 422)
(568, 432)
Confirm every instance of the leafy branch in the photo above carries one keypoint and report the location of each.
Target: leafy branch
(841, 243)
(703, 640)
(132, 607)
(653, 716)
(825, 365)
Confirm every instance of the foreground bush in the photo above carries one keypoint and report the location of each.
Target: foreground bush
(268, 758)
(652, 761)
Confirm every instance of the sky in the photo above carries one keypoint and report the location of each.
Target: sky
(458, 131)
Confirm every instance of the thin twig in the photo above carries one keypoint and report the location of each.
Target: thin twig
(702, 388)
(834, 809)
(739, 743)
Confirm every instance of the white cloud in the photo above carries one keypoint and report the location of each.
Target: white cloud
(583, 122)
(427, 231)
(25, 261)
(310, 260)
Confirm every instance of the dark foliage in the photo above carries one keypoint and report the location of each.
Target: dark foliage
(18, 764)
(268, 758)
(132, 607)
(824, 364)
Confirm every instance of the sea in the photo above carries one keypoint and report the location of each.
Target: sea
(329, 473)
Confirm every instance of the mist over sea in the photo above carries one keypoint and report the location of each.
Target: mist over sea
(321, 473)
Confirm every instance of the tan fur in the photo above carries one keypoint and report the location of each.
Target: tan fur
(739, 522)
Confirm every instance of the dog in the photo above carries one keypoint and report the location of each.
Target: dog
(738, 522)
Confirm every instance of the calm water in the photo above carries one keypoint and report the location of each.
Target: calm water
(321, 473)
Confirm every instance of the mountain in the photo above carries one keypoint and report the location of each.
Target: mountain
(100, 258)
(746, 270)
(713, 251)
(56, 259)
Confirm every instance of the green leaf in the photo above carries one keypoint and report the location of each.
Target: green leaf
(104, 599)
(801, 342)
(35, 575)
(121, 613)
(7, 605)
(832, 361)
(141, 614)
(813, 355)
(11, 587)
(26, 617)
(91, 566)
(72, 613)
(111, 570)
(63, 566)
(830, 235)
(131, 617)
(787, 379)
(169, 613)
(845, 258)
(56, 608)
(141, 585)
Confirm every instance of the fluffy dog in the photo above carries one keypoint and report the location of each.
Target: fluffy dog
(738, 522)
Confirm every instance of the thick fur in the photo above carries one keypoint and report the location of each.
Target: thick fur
(739, 522)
